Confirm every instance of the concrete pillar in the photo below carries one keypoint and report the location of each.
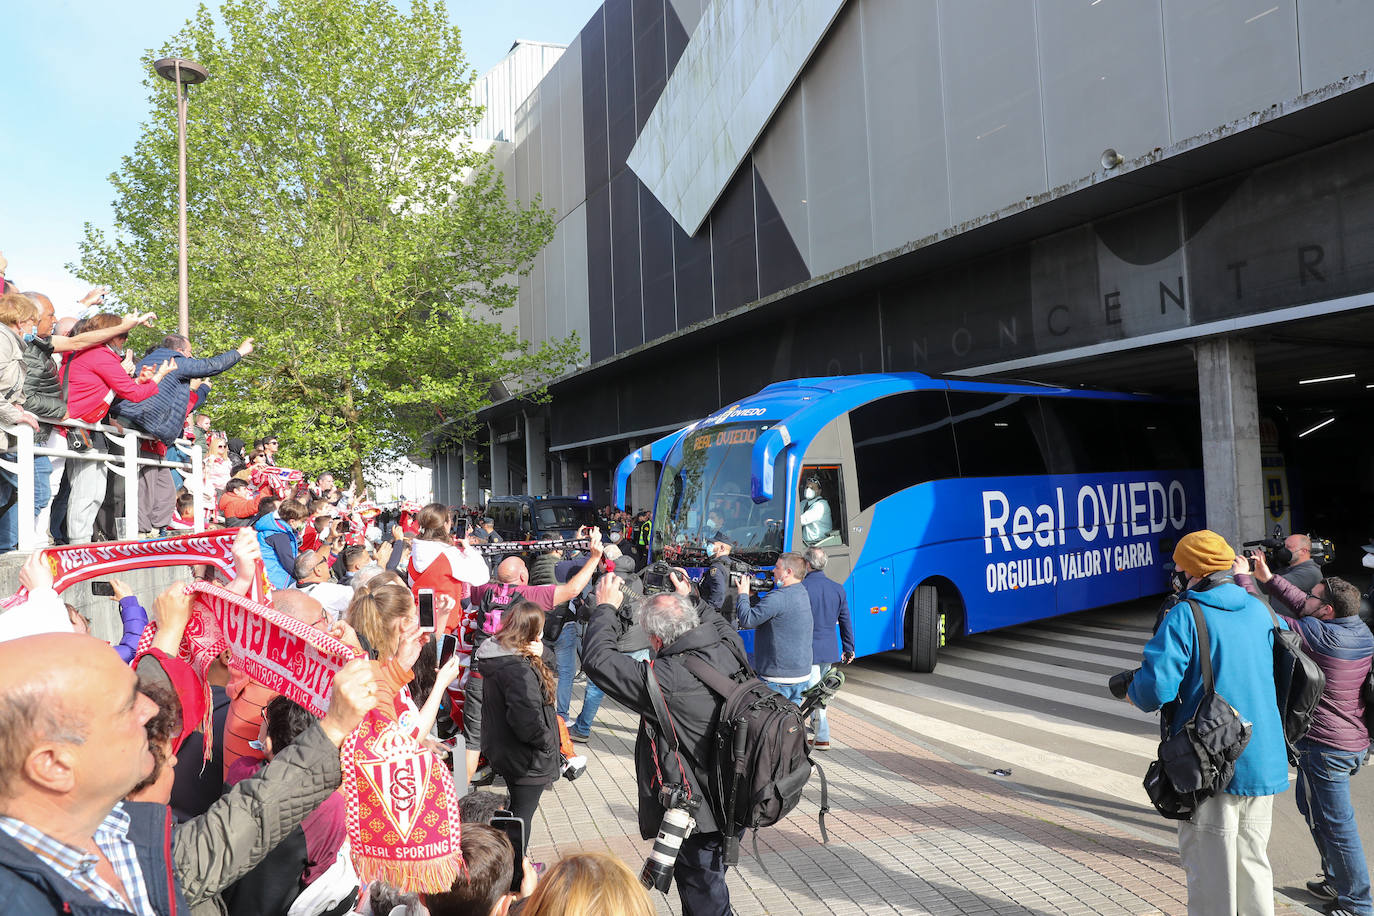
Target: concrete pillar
(570, 468)
(471, 486)
(536, 456)
(500, 466)
(1230, 439)
(600, 479)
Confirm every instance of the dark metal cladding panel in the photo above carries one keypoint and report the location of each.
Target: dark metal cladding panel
(676, 34)
(692, 255)
(734, 250)
(650, 65)
(629, 302)
(656, 248)
(746, 365)
(620, 81)
(832, 341)
(780, 263)
(600, 315)
(582, 413)
(677, 390)
(594, 102)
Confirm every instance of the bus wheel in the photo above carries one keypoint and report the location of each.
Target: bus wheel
(924, 639)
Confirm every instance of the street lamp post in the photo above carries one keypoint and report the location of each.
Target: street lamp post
(182, 73)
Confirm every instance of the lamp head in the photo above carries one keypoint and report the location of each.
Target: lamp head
(190, 71)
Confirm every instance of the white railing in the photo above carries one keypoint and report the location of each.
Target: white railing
(124, 461)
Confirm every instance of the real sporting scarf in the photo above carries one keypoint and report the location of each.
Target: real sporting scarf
(402, 816)
(281, 481)
(80, 562)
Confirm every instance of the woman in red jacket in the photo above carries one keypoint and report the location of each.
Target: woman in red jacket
(94, 378)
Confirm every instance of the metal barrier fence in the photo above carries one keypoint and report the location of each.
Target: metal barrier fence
(123, 460)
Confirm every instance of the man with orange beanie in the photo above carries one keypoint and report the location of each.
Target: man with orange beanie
(1224, 846)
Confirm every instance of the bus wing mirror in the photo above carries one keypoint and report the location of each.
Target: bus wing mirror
(766, 451)
(622, 476)
(654, 451)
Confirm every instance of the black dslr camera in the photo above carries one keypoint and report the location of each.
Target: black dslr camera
(678, 824)
(657, 578)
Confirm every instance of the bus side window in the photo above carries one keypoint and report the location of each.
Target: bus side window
(822, 513)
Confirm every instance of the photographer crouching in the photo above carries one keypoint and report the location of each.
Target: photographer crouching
(668, 778)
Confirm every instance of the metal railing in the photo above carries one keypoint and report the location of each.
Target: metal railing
(123, 460)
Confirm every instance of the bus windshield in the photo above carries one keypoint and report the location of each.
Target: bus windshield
(705, 489)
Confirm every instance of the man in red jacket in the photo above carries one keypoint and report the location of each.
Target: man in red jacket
(94, 378)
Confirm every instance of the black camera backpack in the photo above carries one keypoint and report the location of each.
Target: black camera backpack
(762, 762)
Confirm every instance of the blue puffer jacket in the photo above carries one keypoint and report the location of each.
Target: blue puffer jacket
(163, 415)
(1240, 631)
(278, 542)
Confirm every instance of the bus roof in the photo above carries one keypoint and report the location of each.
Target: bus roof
(799, 408)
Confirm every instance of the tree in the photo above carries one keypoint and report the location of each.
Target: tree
(336, 217)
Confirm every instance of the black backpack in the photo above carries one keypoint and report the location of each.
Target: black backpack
(761, 759)
(487, 621)
(1298, 686)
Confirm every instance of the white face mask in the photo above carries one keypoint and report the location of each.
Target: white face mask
(809, 493)
(537, 648)
(1367, 561)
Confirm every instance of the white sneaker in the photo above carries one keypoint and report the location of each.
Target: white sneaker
(574, 767)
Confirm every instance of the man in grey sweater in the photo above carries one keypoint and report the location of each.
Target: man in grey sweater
(782, 621)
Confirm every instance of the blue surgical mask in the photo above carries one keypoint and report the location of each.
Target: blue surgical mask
(30, 335)
(711, 549)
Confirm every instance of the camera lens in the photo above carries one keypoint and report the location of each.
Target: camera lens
(658, 867)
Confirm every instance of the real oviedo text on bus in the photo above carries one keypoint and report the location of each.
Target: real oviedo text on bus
(945, 506)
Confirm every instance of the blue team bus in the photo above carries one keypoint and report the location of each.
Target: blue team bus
(946, 506)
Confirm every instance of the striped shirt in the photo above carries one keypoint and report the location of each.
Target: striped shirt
(78, 867)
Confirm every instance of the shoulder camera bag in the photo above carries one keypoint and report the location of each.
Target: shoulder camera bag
(1200, 759)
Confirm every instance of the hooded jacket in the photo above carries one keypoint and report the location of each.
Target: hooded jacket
(277, 541)
(1240, 636)
(519, 728)
(693, 707)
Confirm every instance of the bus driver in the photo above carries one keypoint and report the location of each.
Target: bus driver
(815, 512)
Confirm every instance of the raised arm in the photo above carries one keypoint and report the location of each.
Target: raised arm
(88, 339)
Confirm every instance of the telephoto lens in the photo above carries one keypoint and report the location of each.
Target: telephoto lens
(677, 825)
(1119, 682)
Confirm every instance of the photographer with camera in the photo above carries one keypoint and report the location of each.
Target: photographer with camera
(1293, 560)
(1326, 617)
(674, 786)
(1224, 845)
(782, 618)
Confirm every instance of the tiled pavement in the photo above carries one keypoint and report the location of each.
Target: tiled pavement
(909, 833)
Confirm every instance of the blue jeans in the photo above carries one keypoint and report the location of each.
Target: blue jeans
(42, 483)
(591, 700)
(1324, 799)
(793, 692)
(818, 719)
(565, 652)
(9, 518)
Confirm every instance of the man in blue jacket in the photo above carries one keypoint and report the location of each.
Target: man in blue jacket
(1224, 846)
(163, 416)
(782, 618)
(829, 608)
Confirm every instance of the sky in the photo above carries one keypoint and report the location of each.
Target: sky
(72, 101)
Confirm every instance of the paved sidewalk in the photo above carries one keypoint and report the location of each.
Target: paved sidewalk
(909, 833)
